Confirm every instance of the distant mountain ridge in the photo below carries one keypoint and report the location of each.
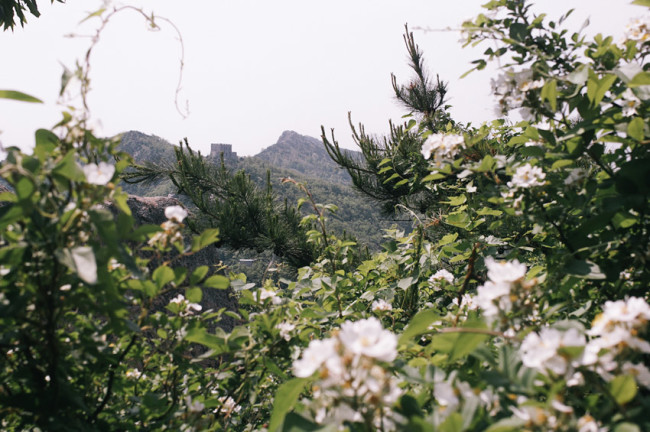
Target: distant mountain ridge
(304, 154)
(300, 157)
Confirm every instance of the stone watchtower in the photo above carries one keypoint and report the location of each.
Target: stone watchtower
(226, 149)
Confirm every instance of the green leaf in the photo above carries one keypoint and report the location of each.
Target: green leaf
(518, 31)
(120, 201)
(624, 220)
(46, 142)
(596, 88)
(456, 200)
(69, 168)
(198, 274)
(201, 336)
(549, 93)
(635, 128)
(162, 276)
(405, 283)
(206, 238)
(285, 398)
(24, 189)
(447, 239)
(627, 427)
(623, 388)
(296, 423)
(194, 294)
(512, 424)
(584, 269)
(453, 423)
(19, 96)
(579, 76)
(419, 324)
(460, 220)
(217, 282)
(561, 164)
(486, 164)
(640, 79)
(457, 345)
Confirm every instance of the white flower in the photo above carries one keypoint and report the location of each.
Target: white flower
(466, 301)
(368, 337)
(534, 415)
(3, 299)
(441, 275)
(576, 175)
(266, 293)
(99, 174)
(445, 395)
(470, 188)
(443, 146)
(194, 406)
(630, 313)
(511, 88)
(134, 374)
(630, 103)
(524, 81)
(381, 305)
(638, 30)
(285, 328)
(317, 353)
(492, 297)
(228, 406)
(505, 271)
(175, 213)
(540, 351)
(527, 176)
(187, 308)
(587, 423)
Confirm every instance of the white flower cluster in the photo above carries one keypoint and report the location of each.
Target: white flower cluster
(186, 308)
(615, 332)
(171, 228)
(544, 350)
(381, 305)
(638, 30)
(285, 328)
(615, 336)
(527, 176)
(444, 147)
(228, 406)
(99, 174)
(511, 88)
(441, 275)
(353, 385)
(506, 290)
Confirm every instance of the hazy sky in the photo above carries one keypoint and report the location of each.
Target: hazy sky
(254, 68)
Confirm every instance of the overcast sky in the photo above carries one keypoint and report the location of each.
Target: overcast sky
(254, 68)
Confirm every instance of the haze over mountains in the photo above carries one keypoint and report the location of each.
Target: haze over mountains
(300, 157)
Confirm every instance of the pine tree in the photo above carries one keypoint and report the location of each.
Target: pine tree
(388, 165)
(246, 215)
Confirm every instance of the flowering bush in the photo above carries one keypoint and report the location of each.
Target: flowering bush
(518, 302)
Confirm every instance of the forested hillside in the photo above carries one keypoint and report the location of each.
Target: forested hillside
(297, 156)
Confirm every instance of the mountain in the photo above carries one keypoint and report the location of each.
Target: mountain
(304, 154)
(297, 156)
